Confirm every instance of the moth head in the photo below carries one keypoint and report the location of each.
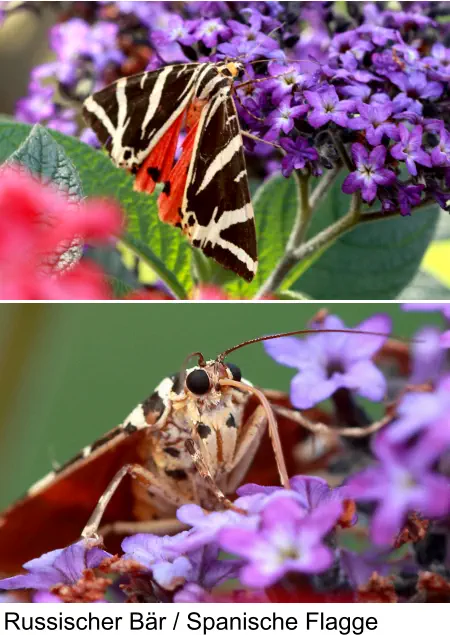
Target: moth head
(203, 382)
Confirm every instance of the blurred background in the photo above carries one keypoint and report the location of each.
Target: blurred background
(69, 373)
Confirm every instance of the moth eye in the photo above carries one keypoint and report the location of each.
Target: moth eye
(235, 371)
(198, 382)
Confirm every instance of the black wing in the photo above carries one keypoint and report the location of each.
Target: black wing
(130, 116)
(217, 213)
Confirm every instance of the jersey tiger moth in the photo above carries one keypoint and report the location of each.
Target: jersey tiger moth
(139, 120)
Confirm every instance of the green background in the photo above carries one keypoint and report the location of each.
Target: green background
(70, 372)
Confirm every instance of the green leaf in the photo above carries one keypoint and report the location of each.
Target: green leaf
(147, 255)
(41, 155)
(169, 249)
(374, 261)
(123, 281)
(275, 204)
(424, 286)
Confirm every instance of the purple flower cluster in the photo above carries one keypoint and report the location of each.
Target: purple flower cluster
(368, 92)
(278, 531)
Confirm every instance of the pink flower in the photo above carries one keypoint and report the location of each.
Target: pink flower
(37, 228)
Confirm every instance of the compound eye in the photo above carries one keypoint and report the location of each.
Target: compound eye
(198, 382)
(235, 371)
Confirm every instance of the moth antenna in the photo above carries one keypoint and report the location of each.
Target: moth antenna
(264, 338)
(273, 427)
(201, 362)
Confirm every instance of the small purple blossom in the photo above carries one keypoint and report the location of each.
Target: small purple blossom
(409, 149)
(298, 154)
(408, 197)
(326, 106)
(440, 155)
(283, 117)
(159, 555)
(329, 361)
(419, 411)
(402, 481)
(287, 541)
(374, 120)
(210, 31)
(370, 172)
(285, 79)
(62, 566)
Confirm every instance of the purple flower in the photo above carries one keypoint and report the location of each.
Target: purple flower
(209, 32)
(298, 154)
(440, 155)
(282, 118)
(329, 361)
(206, 526)
(153, 553)
(370, 172)
(373, 119)
(409, 149)
(39, 105)
(326, 107)
(416, 85)
(409, 196)
(428, 356)
(159, 554)
(176, 30)
(249, 41)
(309, 492)
(62, 566)
(401, 482)
(418, 411)
(287, 541)
(285, 79)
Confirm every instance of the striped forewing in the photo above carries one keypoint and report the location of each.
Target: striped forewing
(217, 213)
(133, 114)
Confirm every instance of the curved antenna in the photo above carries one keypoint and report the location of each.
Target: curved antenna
(273, 426)
(264, 338)
(201, 362)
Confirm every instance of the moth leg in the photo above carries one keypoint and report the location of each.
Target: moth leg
(247, 447)
(160, 527)
(145, 477)
(204, 472)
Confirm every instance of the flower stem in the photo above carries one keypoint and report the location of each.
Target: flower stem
(304, 214)
(321, 241)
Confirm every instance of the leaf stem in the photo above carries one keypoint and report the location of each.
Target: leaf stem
(319, 242)
(304, 212)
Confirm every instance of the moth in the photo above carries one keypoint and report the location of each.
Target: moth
(138, 120)
(192, 440)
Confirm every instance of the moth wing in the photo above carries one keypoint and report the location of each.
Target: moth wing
(217, 213)
(131, 115)
(54, 512)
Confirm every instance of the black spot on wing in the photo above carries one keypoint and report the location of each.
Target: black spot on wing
(172, 452)
(178, 386)
(105, 439)
(203, 430)
(130, 428)
(154, 403)
(178, 475)
(154, 173)
(78, 458)
(231, 422)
